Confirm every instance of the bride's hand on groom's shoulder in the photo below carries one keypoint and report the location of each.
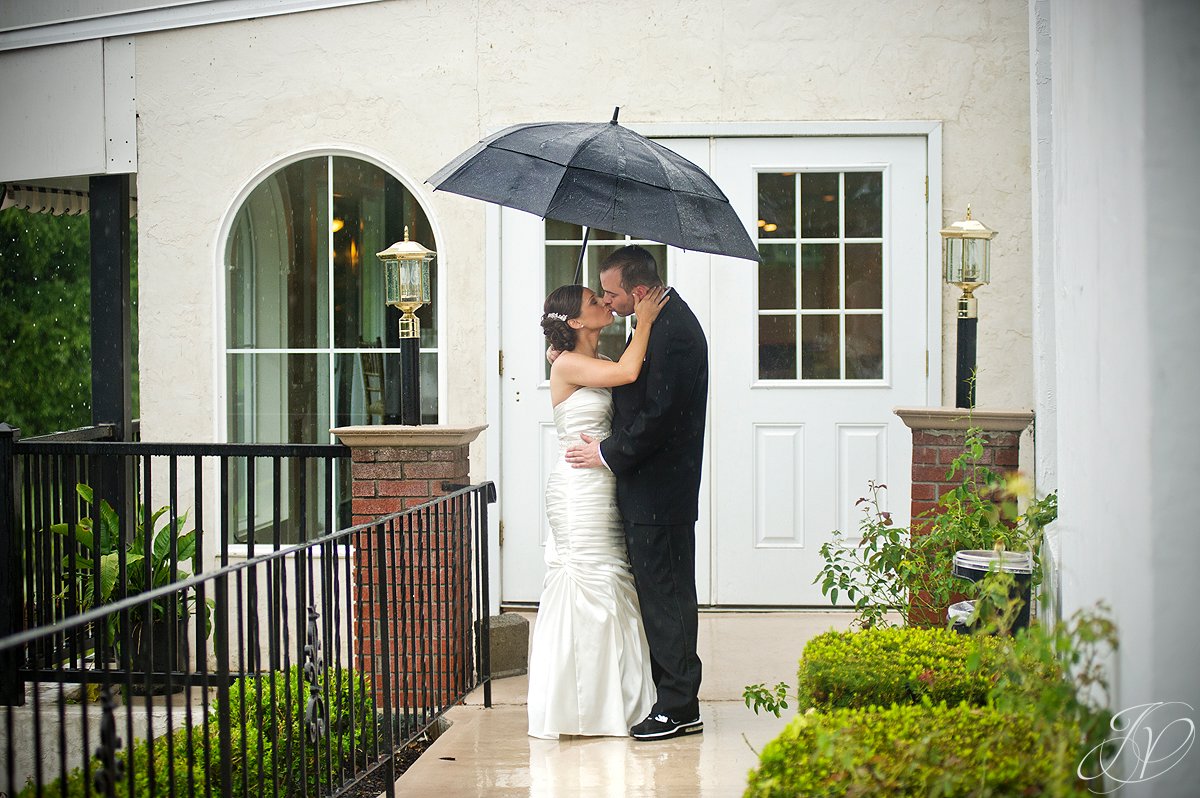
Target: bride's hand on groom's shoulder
(552, 354)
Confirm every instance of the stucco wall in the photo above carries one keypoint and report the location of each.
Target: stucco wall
(415, 83)
(1126, 108)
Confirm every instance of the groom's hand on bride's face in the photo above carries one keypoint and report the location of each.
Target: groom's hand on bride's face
(586, 454)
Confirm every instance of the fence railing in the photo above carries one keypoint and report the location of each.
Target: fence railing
(301, 669)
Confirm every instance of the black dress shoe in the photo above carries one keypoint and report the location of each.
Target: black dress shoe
(660, 727)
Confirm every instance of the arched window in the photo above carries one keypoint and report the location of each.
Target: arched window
(310, 344)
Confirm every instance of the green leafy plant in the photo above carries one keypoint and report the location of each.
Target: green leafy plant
(271, 752)
(773, 700)
(86, 572)
(912, 750)
(891, 570)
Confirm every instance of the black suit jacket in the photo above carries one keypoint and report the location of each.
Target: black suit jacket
(657, 444)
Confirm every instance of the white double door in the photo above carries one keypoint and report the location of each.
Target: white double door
(809, 353)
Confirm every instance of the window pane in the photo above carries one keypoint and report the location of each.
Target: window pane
(776, 205)
(819, 205)
(777, 347)
(562, 231)
(276, 257)
(371, 209)
(560, 266)
(864, 347)
(359, 383)
(820, 275)
(429, 394)
(864, 276)
(864, 204)
(278, 398)
(777, 277)
(301, 512)
(820, 348)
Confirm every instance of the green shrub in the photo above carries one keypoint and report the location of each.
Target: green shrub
(269, 743)
(915, 750)
(895, 666)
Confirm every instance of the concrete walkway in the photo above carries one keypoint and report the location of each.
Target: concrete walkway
(486, 752)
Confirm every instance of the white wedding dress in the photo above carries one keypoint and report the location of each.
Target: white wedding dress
(589, 666)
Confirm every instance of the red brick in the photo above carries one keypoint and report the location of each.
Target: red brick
(374, 471)
(362, 455)
(924, 492)
(925, 454)
(374, 507)
(1008, 456)
(935, 438)
(405, 487)
(455, 453)
(928, 473)
(362, 487)
(947, 454)
(433, 470)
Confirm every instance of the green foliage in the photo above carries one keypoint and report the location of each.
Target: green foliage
(893, 571)
(914, 750)
(45, 322)
(773, 700)
(882, 667)
(1077, 650)
(269, 744)
(144, 570)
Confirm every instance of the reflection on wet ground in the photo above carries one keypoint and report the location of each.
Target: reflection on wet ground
(486, 752)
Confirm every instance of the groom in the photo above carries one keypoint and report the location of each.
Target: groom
(655, 451)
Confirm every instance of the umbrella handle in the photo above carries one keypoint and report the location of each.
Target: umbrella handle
(582, 255)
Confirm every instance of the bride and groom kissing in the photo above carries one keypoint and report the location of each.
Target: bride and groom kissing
(614, 645)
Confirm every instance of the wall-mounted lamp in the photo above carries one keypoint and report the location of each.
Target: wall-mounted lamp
(967, 262)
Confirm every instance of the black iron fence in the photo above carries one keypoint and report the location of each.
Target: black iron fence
(147, 654)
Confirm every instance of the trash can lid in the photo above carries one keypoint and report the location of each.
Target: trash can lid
(1013, 562)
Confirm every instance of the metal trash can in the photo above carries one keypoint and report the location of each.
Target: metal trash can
(975, 564)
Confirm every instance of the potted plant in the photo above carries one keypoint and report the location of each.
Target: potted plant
(149, 631)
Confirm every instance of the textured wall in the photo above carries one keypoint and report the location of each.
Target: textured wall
(416, 82)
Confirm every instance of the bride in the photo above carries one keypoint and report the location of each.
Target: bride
(589, 666)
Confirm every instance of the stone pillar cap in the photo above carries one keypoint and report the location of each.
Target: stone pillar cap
(377, 436)
(961, 418)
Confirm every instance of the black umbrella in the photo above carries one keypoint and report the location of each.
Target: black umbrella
(600, 175)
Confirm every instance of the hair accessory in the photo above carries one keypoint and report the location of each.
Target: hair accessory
(559, 316)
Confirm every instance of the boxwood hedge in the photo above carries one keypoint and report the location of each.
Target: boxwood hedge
(916, 750)
(882, 667)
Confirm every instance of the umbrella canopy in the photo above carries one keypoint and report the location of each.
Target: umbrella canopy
(600, 175)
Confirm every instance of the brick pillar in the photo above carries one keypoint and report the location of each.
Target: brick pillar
(426, 564)
(939, 434)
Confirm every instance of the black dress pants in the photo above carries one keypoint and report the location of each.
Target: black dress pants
(663, 559)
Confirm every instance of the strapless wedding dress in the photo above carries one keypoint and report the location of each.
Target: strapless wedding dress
(589, 665)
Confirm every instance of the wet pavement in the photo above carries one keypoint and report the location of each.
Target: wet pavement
(486, 752)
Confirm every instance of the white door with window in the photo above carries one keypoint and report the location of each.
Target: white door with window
(809, 353)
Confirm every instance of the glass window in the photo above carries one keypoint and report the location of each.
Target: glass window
(310, 343)
(821, 282)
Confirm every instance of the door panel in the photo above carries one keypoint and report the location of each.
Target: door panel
(816, 346)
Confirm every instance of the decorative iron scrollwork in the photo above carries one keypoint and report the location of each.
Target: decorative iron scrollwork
(111, 769)
(314, 665)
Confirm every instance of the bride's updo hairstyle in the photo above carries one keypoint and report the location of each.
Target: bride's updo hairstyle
(564, 303)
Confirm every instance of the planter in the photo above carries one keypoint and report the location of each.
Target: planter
(976, 564)
(154, 656)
